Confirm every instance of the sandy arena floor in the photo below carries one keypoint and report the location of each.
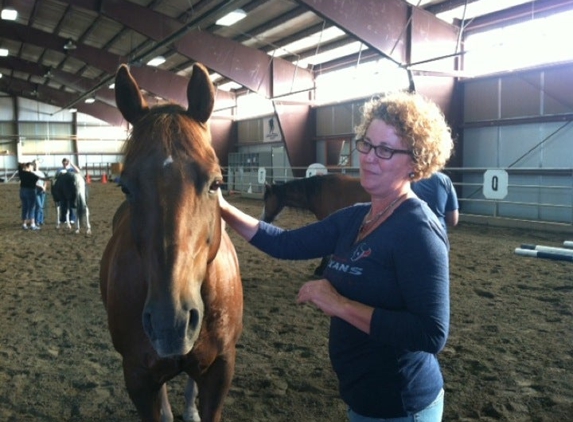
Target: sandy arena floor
(509, 356)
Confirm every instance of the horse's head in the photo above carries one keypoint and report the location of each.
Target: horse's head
(273, 203)
(170, 177)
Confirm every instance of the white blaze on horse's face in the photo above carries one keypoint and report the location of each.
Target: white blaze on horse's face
(168, 161)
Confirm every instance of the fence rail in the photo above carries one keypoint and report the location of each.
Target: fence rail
(536, 197)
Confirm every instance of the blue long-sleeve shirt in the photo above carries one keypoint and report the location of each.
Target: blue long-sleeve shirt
(402, 270)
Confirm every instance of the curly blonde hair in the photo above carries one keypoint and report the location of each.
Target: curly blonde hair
(419, 123)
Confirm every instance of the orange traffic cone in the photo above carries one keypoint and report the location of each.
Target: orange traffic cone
(88, 179)
(104, 178)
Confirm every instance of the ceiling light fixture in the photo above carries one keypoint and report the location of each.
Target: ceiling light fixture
(156, 61)
(9, 14)
(90, 100)
(111, 86)
(70, 45)
(3, 52)
(232, 17)
(73, 110)
(48, 73)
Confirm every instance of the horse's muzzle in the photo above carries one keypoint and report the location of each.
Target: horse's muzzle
(175, 334)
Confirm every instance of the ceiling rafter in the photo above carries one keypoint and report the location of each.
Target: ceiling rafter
(285, 21)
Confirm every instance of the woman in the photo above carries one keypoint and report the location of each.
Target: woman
(28, 195)
(40, 193)
(386, 287)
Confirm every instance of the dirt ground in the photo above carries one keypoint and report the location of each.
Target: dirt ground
(509, 356)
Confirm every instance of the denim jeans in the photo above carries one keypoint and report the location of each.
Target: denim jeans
(40, 201)
(28, 198)
(432, 413)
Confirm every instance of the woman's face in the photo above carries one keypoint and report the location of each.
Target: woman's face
(380, 176)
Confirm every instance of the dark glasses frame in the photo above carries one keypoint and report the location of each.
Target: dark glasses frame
(381, 151)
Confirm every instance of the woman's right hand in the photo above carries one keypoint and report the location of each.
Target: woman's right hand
(241, 222)
(223, 204)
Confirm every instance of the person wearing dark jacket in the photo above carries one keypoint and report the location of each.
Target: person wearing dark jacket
(28, 182)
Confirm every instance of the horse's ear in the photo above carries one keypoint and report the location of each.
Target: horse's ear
(200, 94)
(128, 96)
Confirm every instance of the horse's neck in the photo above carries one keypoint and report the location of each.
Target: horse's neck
(298, 199)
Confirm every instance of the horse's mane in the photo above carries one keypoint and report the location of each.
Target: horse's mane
(166, 130)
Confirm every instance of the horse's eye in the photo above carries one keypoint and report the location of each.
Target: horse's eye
(216, 184)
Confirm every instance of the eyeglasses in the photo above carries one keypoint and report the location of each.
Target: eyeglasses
(381, 151)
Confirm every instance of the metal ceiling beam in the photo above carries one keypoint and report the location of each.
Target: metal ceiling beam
(446, 6)
(157, 81)
(400, 32)
(20, 88)
(69, 80)
(380, 25)
(517, 14)
(14, 63)
(245, 65)
(397, 30)
(296, 125)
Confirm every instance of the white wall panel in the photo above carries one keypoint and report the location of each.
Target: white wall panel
(480, 147)
(519, 146)
(558, 148)
(34, 111)
(6, 109)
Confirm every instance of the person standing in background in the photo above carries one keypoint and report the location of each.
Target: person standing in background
(28, 195)
(71, 167)
(68, 166)
(439, 193)
(40, 193)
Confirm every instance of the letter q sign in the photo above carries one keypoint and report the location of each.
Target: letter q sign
(495, 184)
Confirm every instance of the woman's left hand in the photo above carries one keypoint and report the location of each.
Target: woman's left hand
(322, 295)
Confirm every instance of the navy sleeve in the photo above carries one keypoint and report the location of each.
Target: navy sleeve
(452, 201)
(312, 241)
(422, 268)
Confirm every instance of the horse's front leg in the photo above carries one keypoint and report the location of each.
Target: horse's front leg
(57, 216)
(214, 386)
(166, 413)
(191, 414)
(83, 218)
(64, 209)
(68, 224)
(87, 217)
(148, 396)
(78, 222)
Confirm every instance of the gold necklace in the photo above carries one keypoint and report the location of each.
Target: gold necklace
(379, 215)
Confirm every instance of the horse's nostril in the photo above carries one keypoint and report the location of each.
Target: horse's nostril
(194, 319)
(147, 325)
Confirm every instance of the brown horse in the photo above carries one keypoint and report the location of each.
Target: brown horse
(169, 276)
(321, 195)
